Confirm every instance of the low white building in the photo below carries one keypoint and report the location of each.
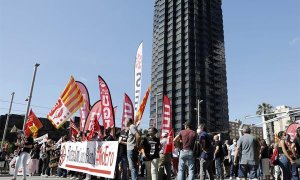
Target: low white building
(283, 123)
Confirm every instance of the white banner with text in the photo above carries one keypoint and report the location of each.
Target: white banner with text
(97, 158)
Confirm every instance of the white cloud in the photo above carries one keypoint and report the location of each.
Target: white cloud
(294, 41)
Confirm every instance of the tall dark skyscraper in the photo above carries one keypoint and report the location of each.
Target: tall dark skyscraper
(188, 63)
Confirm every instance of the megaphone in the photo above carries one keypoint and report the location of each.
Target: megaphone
(15, 130)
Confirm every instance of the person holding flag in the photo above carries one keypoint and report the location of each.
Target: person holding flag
(165, 158)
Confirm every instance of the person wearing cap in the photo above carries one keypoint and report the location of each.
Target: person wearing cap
(165, 158)
(187, 137)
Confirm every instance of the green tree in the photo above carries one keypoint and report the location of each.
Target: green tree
(266, 108)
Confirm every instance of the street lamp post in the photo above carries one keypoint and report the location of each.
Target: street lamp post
(7, 119)
(156, 106)
(30, 95)
(198, 110)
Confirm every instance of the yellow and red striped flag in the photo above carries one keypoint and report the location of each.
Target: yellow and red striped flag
(68, 103)
(140, 112)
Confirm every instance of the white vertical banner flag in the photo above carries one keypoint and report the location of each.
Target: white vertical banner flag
(138, 77)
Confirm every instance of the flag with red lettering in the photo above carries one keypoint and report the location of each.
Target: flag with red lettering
(140, 112)
(85, 109)
(32, 125)
(108, 114)
(68, 103)
(128, 111)
(138, 77)
(166, 123)
(93, 119)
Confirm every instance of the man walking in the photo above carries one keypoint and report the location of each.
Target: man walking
(249, 156)
(218, 156)
(206, 157)
(187, 137)
(132, 148)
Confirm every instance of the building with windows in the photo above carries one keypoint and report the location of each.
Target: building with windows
(188, 63)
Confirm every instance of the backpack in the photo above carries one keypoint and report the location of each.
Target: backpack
(275, 157)
(225, 150)
(197, 148)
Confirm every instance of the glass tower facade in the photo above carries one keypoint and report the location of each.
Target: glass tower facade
(188, 63)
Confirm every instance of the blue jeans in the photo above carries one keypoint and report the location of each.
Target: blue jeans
(295, 173)
(123, 159)
(206, 165)
(233, 168)
(285, 166)
(186, 156)
(132, 156)
(219, 167)
(244, 169)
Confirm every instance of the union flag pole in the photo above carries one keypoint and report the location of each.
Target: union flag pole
(30, 95)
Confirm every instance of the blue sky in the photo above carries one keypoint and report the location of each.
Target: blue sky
(90, 38)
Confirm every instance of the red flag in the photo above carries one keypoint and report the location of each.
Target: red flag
(94, 116)
(166, 125)
(85, 109)
(170, 144)
(107, 107)
(140, 112)
(95, 128)
(128, 111)
(33, 124)
(73, 128)
(68, 103)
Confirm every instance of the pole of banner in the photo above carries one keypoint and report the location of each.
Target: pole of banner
(156, 110)
(30, 95)
(7, 119)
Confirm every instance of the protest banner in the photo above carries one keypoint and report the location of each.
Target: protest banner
(41, 139)
(97, 158)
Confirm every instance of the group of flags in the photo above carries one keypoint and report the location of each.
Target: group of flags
(75, 96)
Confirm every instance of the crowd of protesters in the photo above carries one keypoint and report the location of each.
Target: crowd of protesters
(144, 154)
